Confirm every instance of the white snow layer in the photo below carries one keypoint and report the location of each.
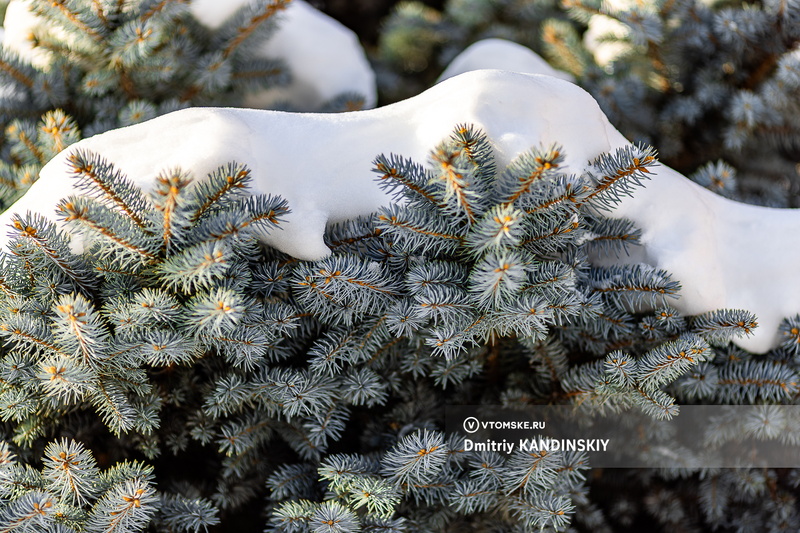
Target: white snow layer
(503, 55)
(324, 57)
(725, 254)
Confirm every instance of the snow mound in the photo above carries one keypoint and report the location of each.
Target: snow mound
(322, 163)
(501, 54)
(724, 254)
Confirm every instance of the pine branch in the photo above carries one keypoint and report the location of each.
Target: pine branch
(656, 403)
(31, 512)
(170, 199)
(401, 176)
(750, 381)
(157, 7)
(96, 174)
(26, 137)
(71, 471)
(670, 360)
(180, 513)
(113, 407)
(97, 8)
(476, 148)
(79, 328)
(629, 286)
(417, 232)
(42, 235)
(457, 183)
(616, 174)
(9, 67)
(60, 131)
(31, 332)
(724, 324)
(245, 217)
(526, 171)
(557, 230)
(416, 459)
(73, 16)
(243, 32)
(222, 183)
(92, 217)
(571, 197)
(128, 506)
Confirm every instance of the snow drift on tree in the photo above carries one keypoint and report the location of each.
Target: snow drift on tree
(725, 254)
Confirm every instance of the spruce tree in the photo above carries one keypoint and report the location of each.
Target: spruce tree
(180, 376)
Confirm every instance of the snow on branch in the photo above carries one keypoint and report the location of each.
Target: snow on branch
(325, 59)
(724, 254)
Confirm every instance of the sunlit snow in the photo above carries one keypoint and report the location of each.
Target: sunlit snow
(725, 254)
(501, 54)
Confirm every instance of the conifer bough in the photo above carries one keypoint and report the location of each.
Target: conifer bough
(324, 58)
(724, 254)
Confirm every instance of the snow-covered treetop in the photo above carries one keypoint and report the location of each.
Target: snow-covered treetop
(324, 58)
